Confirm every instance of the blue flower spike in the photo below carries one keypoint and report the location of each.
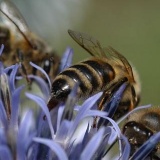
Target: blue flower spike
(26, 135)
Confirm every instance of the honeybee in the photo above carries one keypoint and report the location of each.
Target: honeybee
(102, 71)
(17, 38)
(140, 126)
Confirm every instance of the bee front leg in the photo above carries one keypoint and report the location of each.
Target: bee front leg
(108, 93)
(106, 97)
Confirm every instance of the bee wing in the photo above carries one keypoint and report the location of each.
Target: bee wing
(116, 55)
(12, 17)
(87, 42)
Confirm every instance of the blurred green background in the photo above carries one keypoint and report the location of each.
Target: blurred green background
(131, 27)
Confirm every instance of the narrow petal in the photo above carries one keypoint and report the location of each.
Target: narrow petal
(107, 143)
(43, 106)
(40, 69)
(1, 68)
(125, 148)
(6, 70)
(112, 105)
(70, 103)
(89, 103)
(66, 59)
(5, 94)
(26, 126)
(5, 153)
(61, 133)
(92, 145)
(54, 147)
(59, 117)
(12, 77)
(3, 116)
(15, 106)
(3, 138)
(134, 110)
(42, 85)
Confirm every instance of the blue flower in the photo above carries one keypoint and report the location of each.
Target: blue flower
(67, 132)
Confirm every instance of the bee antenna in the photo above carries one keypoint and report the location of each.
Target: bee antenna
(25, 37)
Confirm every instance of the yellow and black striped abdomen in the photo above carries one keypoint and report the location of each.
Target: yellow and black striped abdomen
(91, 75)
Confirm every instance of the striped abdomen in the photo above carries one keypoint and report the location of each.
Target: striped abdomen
(92, 75)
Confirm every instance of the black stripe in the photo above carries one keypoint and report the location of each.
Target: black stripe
(103, 69)
(75, 77)
(125, 104)
(87, 73)
(60, 89)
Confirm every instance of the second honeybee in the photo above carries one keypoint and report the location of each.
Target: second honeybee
(140, 126)
(18, 39)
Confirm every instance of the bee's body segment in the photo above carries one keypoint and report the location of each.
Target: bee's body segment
(90, 76)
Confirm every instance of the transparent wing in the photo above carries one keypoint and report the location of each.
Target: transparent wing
(94, 48)
(116, 55)
(11, 16)
(13, 19)
(87, 42)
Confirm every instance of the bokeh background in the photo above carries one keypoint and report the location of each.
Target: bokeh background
(131, 27)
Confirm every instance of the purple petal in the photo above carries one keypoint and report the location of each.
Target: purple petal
(3, 139)
(40, 69)
(26, 126)
(92, 145)
(112, 135)
(15, 106)
(118, 131)
(42, 85)
(134, 110)
(12, 77)
(6, 70)
(61, 133)
(5, 153)
(54, 147)
(3, 116)
(59, 117)
(86, 136)
(1, 49)
(89, 103)
(66, 59)
(70, 103)
(6, 96)
(1, 68)
(125, 147)
(112, 105)
(43, 106)
(108, 140)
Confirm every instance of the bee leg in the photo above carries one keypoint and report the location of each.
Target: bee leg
(23, 69)
(107, 95)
